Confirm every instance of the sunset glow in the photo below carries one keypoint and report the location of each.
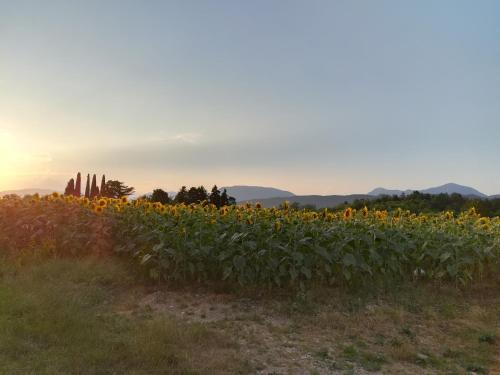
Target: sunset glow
(347, 95)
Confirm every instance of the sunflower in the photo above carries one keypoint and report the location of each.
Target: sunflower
(365, 212)
(347, 213)
(98, 209)
(123, 200)
(380, 215)
(258, 205)
(102, 202)
(277, 225)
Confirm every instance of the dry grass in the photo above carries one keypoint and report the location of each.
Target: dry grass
(94, 317)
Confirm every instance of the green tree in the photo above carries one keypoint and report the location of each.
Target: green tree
(94, 190)
(87, 187)
(215, 197)
(117, 189)
(197, 194)
(226, 200)
(160, 196)
(182, 196)
(78, 185)
(103, 186)
(70, 188)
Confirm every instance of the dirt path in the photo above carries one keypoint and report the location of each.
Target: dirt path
(391, 337)
(266, 339)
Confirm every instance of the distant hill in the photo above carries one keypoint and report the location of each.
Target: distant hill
(319, 201)
(382, 191)
(22, 192)
(449, 188)
(497, 196)
(245, 193)
(454, 188)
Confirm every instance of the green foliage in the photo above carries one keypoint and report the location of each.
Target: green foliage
(94, 190)
(117, 189)
(62, 317)
(489, 338)
(182, 195)
(429, 203)
(78, 185)
(103, 191)
(254, 246)
(280, 248)
(215, 197)
(160, 196)
(196, 195)
(87, 187)
(70, 188)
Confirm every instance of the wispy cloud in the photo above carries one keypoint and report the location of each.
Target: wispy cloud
(191, 138)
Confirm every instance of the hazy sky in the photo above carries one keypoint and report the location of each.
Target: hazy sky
(310, 96)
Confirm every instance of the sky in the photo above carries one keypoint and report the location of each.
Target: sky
(315, 97)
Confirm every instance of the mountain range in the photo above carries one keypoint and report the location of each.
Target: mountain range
(323, 201)
(245, 193)
(449, 188)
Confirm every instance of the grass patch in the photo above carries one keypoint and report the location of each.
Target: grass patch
(420, 328)
(60, 317)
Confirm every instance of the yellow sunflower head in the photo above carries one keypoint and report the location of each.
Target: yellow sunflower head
(364, 211)
(347, 213)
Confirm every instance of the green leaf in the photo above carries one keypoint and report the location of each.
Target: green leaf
(349, 260)
(239, 262)
(306, 271)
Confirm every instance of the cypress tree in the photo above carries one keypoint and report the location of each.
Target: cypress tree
(103, 186)
(78, 185)
(87, 187)
(94, 190)
(70, 188)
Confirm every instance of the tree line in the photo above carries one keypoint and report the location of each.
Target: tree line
(117, 189)
(108, 189)
(428, 203)
(193, 195)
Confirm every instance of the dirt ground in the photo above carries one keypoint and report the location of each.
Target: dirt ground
(420, 335)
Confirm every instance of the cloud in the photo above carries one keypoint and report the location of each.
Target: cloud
(190, 151)
(191, 138)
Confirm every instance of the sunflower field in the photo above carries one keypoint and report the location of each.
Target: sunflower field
(255, 246)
